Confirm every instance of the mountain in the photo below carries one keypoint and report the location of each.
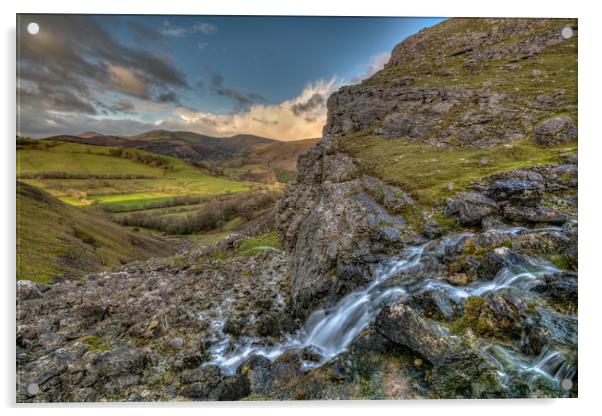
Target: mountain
(181, 144)
(58, 240)
(268, 162)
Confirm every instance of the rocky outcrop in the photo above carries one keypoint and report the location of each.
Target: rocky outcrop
(142, 333)
(335, 223)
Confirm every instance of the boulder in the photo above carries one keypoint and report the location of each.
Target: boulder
(495, 260)
(560, 286)
(555, 131)
(27, 290)
(470, 207)
(402, 325)
(516, 191)
(539, 214)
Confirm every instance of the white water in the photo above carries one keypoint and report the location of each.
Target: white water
(328, 332)
(511, 364)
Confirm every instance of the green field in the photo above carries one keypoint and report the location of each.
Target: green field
(82, 174)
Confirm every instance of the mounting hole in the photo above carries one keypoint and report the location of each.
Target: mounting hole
(33, 28)
(33, 389)
(566, 384)
(566, 32)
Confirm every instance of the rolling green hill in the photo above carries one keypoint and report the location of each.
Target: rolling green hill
(57, 240)
(83, 174)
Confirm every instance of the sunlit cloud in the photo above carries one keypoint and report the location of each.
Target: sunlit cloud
(301, 117)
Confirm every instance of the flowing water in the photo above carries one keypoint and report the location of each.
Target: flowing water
(328, 332)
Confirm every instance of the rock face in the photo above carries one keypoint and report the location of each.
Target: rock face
(335, 222)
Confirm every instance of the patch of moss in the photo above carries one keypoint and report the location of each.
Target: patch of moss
(95, 343)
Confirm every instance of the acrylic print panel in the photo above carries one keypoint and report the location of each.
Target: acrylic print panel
(295, 208)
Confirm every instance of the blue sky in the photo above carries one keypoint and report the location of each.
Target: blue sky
(217, 75)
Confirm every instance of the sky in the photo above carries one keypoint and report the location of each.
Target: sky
(214, 75)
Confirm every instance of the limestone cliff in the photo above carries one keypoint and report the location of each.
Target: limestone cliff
(501, 93)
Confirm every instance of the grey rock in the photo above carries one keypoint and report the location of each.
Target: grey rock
(540, 214)
(470, 207)
(516, 191)
(555, 131)
(27, 290)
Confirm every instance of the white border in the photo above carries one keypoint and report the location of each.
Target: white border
(590, 158)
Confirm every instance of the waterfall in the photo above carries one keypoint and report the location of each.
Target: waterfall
(328, 332)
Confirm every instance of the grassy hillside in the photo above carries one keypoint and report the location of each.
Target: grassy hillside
(268, 162)
(181, 144)
(522, 72)
(84, 174)
(55, 239)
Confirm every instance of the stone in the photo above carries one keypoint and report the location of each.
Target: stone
(554, 131)
(516, 191)
(540, 214)
(27, 290)
(401, 324)
(470, 207)
(176, 343)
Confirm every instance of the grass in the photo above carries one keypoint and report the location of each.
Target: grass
(174, 178)
(55, 239)
(431, 174)
(259, 244)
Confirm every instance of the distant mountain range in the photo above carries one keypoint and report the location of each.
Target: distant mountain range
(243, 156)
(181, 144)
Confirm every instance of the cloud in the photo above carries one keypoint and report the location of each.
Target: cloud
(375, 64)
(314, 101)
(243, 100)
(125, 80)
(73, 61)
(172, 30)
(204, 28)
(202, 45)
(298, 118)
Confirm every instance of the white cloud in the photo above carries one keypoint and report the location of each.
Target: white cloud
(202, 45)
(204, 28)
(375, 64)
(281, 121)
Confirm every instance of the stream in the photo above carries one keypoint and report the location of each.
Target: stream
(329, 332)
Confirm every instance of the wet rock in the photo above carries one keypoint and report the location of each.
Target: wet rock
(494, 261)
(234, 327)
(470, 207)
(555, 131)
(269, 325)
(499, 314)
(539, 214)
(516, 191)
(401, 324)
(560, 286)
(27, 290)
